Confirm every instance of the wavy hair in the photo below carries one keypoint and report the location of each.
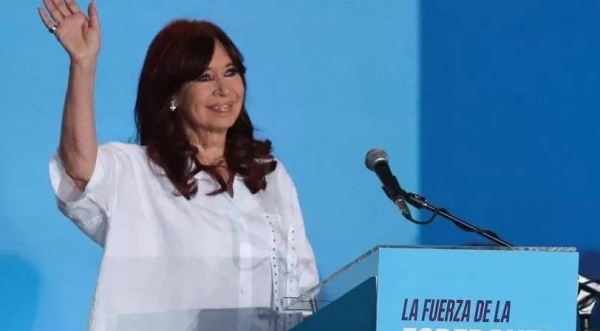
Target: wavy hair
(180, 53)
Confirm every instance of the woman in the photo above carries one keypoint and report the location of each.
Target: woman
(197, 221)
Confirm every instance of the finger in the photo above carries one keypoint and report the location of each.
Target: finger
(62, 7)
(93, 15)
(72, 6)
(45, 18)
(53, 10)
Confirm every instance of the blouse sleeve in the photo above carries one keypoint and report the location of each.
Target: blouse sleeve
(91, 209)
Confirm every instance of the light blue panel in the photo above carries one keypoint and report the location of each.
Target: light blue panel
(540, 286)
(327, 81)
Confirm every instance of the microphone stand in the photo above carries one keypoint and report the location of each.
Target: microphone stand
(589, 289)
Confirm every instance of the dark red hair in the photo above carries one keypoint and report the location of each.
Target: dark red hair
(180, 53)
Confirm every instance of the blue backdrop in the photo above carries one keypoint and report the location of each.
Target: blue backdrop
(510, 123)
(326, 83)
(487, 108)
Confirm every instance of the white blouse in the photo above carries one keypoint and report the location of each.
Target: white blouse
(212, 262)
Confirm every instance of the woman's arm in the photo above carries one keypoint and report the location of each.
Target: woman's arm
(80, 37)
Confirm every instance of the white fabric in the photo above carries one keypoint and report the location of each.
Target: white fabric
(167, 256)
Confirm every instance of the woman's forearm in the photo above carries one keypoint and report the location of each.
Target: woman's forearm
(78, 142)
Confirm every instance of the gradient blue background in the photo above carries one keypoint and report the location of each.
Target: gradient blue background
(486, 108)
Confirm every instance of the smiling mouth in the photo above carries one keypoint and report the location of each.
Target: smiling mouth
(221, 107)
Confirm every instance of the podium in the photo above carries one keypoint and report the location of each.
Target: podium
(417, 288)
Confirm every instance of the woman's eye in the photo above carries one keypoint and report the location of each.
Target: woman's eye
(231, 72)
(204, 78)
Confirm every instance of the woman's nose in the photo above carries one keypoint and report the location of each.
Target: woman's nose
(221, 87)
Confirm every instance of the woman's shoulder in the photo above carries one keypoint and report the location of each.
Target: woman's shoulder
(122, 148)
(124, 153)
(280, 175)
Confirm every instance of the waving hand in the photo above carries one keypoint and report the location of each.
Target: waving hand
(78, 34)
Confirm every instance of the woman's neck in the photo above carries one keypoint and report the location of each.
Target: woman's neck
(211, 147)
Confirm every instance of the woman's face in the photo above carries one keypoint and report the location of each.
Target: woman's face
(214, 101)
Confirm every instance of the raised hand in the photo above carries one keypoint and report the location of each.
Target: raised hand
(78, 34)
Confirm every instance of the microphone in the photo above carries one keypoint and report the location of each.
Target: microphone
(377, 161)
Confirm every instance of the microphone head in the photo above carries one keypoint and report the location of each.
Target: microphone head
(375, 156)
